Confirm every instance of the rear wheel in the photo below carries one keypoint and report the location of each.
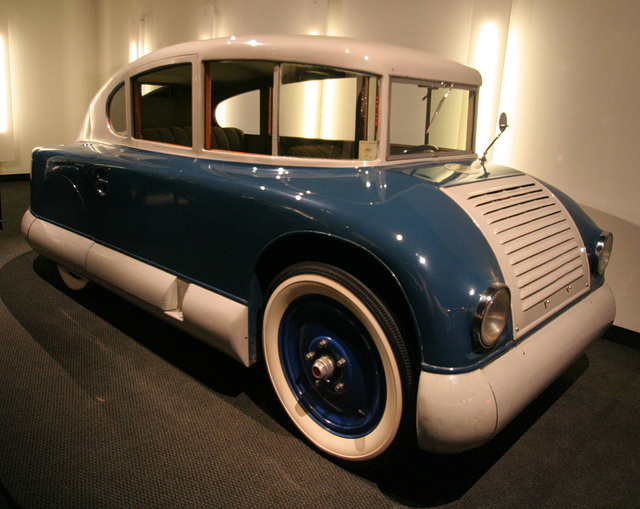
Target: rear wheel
(71, 279)
(337, 361)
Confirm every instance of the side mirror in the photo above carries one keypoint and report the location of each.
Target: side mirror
(502, 125)
(502, 122)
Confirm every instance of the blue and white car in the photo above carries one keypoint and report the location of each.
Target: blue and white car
(316, 204)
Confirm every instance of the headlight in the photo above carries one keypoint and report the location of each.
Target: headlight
(492, 314)
(603, 251)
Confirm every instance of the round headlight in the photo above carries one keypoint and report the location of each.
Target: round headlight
(603, 251)
(492, 314)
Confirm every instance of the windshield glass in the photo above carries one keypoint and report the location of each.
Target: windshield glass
(430, 119)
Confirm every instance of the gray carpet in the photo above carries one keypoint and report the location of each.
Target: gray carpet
(102, 405)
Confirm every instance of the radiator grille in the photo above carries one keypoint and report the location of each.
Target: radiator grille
(535, 240)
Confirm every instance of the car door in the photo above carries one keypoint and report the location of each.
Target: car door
(134, 208)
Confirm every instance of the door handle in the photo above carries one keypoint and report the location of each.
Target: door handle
(101, 181)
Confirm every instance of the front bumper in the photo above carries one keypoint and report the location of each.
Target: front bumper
(462, 411)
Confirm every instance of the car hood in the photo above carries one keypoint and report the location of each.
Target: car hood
(456, 173)
(373, 185)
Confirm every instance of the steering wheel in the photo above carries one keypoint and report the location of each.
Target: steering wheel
(421, 148)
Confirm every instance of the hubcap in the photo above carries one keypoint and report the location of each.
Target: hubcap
(323, 368)
(332, 366)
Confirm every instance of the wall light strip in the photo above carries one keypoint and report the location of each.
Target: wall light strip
(4, 86)
(136, 38)
(7, 144)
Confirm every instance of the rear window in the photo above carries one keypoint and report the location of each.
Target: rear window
(116, 111)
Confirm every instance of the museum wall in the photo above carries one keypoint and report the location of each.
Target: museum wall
(570, 87)
(565, 72)
(53, 72)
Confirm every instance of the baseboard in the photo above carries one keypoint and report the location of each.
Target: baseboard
(623, 336)
(15, 177)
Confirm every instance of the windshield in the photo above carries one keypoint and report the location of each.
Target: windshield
(430, 119)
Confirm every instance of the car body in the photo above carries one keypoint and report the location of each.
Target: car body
(316, 203)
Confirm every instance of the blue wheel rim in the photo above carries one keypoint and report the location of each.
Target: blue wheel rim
(349, 403)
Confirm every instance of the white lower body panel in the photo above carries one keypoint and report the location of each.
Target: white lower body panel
(461, 411)
(216, 319)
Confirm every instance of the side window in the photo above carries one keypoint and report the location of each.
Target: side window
(327, 113)
(116, 111)
(322, 112)
(238, 114)
(162, 105)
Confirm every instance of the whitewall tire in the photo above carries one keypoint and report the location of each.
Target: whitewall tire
(337, 361)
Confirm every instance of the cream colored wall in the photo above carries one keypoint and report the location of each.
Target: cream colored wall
(567, 77)
(570, 88)
(53, 72)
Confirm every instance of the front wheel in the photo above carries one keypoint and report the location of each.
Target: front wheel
(337, 361)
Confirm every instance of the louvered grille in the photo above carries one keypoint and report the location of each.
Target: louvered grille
(535, 240)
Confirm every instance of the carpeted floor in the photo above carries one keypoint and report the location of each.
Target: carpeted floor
(102, 405)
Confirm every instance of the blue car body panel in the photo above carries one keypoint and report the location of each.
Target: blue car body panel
(209, 222)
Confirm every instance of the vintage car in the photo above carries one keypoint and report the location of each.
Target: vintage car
(316, 204)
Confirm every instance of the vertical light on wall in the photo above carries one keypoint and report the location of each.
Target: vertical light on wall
(334, 17)
(484, 60)
(510, 90)
(317, 17)
(328, 121)
(311, 109)
(136, 38)
(487, 46)
(7, 147)
(208, 22)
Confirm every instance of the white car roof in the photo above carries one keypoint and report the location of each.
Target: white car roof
(371, 57)
(350, 54)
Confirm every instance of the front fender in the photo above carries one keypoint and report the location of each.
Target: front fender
(430, 245)
(443, 264)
